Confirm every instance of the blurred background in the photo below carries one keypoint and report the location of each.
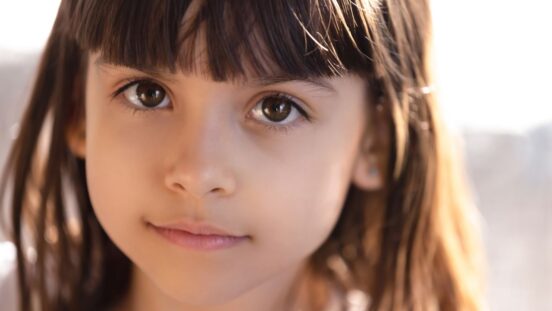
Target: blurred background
(493, 63)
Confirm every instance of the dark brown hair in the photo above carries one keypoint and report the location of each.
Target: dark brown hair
(410, 246)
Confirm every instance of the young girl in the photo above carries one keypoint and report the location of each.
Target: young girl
(238, 155)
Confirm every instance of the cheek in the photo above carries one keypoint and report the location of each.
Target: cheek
(120, 168)
(300, 196)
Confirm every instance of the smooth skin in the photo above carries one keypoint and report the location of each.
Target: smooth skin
(205, 153)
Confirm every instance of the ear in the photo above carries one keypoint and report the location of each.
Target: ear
(367, 171)
(75, 137)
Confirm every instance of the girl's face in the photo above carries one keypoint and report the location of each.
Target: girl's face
(267, 159)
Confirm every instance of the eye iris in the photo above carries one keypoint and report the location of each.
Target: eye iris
(276, 108)
(150, 94)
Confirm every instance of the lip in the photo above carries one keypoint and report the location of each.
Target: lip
(197, 228)
(198, 236)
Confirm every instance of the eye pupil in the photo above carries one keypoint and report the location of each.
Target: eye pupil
(150, 94)
(276, 108)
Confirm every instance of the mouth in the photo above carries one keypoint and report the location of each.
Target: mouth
(202, 237)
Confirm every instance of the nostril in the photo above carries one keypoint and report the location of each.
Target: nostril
(217, 190)
(179, 186)
(199, 183)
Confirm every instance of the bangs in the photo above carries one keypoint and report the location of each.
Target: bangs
(227, 40)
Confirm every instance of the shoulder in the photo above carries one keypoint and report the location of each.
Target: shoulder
(8, 277)
(354, 300)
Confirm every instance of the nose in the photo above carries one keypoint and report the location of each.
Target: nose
(201, 165)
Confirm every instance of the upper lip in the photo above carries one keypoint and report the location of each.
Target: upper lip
(198, 228)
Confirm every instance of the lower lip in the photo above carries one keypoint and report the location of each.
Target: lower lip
(199, 242)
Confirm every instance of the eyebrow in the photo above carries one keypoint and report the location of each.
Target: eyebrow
(317, 82)
(158, 74)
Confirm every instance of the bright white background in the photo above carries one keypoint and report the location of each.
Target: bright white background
(493, 58)
(494, 62)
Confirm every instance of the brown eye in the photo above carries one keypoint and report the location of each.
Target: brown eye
(150, 94)
(277, 109)
(146, 95)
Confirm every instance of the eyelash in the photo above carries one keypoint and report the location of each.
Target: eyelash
(127, 85)
(284, 129)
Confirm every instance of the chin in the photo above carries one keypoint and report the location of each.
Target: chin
(206, 296)
(206, 291)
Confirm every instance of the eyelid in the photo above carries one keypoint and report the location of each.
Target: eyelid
(134, 108)
(302, 106)
(283, 128)
(297, 104)
(136, 79)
